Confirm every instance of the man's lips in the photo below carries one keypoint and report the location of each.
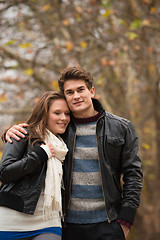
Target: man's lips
(78, 103)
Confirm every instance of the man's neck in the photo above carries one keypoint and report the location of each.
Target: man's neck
(87, 119)
(86, 114)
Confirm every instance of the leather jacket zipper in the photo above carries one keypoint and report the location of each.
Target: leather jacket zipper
(108, 219)
(71, 170)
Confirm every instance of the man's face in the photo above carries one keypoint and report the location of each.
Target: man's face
(78, 97)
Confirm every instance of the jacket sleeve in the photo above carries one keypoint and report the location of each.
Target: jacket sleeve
(132, 176)
(18, 160)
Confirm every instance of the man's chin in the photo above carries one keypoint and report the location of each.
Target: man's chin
(79, 113)
(77, 108)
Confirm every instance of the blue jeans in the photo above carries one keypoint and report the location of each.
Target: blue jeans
(44, 236)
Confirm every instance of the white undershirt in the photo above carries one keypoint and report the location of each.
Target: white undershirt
(11, 220)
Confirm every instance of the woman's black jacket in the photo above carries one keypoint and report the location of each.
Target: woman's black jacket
(22, 174)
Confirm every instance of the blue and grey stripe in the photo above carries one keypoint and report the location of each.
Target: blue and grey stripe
(87, 202)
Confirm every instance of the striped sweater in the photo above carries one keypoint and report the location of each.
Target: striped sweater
(87, 202)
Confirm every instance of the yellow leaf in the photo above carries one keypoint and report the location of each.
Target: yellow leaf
(45, 7)
(10, 42)
(148, 162)
(25, 45)
(2, 97)
(100, 82)
(146, 146)
(135, 24)
(29, 71)
(132, 35)
(123, 22)
(78, 18)
(83, 44)
(147, 130)
(153, 10)
(108, 12)
(55, 85)
(1, 154)
(69, 45)
(66, 22)
(151, 68)
(151, 176)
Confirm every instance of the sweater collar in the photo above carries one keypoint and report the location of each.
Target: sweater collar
(86, 120)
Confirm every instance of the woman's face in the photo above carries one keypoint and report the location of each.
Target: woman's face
(58, 116)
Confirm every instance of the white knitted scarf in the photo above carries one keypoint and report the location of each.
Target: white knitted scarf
(53, 180)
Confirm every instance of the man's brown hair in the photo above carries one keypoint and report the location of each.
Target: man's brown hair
(75, 73)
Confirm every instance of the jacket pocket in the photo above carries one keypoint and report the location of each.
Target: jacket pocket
(114, 147)
(26, 185)
(118, 232)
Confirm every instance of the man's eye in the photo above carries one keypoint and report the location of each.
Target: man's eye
(69, 93)
(80, 90)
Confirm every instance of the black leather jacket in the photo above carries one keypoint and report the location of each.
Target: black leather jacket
(117, 144)
(22, 173)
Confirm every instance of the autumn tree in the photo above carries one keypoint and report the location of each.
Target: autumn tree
(118, 42)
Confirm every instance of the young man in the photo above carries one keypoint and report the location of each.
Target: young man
(102, 148)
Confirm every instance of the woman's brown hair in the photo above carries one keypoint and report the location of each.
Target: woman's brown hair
(38, 119)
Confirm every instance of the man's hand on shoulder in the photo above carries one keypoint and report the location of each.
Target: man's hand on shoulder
(16, 132)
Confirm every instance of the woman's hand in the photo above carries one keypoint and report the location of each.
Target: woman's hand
(50, 148)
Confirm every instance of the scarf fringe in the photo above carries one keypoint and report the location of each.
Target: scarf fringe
(53, 180)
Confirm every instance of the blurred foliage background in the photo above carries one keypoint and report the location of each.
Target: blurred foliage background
(118, 41)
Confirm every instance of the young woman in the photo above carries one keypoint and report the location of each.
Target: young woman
(31, 174)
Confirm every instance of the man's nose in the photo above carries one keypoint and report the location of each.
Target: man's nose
(76, 95)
